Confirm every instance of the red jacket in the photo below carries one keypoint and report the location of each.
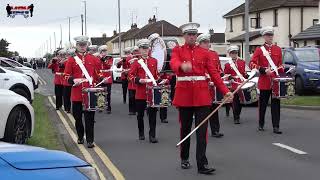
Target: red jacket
(65, 78)
(106, 65)
(123, 63)
(258, 61)
(217, 62)
(241, 66)
(73, 70)
(195, 93)
(137, 72)
(58, 75)
(131, 84)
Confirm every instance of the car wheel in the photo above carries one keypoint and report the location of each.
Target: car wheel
(17, 127)
(22, 93)
(299, 86)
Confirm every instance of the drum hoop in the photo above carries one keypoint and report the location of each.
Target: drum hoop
(156, 43)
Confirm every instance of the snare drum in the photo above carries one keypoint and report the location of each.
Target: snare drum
(93, 99)
(248, 94)
(158, 96)
(283, 87)
(218, 96)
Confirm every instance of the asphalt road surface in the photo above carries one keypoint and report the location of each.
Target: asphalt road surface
(242, 154)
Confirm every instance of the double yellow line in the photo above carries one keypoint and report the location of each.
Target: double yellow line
(104, 158)
(41, 81)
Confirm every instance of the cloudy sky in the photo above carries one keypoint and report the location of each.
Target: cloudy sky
(28, 35)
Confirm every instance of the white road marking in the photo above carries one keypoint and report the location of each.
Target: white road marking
(297, 151)
(43, 81)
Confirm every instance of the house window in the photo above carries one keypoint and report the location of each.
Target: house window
(315, 21)
(243, 23)
(275, 18)
(231, 25)
(317, 42)
(305, 43)
(256, 22)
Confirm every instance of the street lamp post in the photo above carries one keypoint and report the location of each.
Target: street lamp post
(190, 10)
(119, 19)
(247, 53)
(85, 17)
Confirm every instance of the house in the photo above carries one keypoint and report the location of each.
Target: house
(134, 34)
(288, 17)
(218, 42)
(310, 36)
(99, 41)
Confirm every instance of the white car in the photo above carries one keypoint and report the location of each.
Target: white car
(16, 117)
(116, 73)
(17, 82)
(26, 70)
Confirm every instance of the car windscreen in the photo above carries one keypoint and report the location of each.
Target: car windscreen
(16, 64)
(307, 55)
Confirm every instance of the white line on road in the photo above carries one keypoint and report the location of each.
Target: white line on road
(297, 151)
(43, 81)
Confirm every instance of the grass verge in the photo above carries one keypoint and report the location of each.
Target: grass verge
(44, 134)
(302, 101)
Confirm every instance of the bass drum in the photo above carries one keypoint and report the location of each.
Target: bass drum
(158, 50)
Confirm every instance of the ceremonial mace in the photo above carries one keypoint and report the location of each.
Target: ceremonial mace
(252, 74)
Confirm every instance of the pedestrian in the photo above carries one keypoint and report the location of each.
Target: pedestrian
(259, 61)
(192, 97)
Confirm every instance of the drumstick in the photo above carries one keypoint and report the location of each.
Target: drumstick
(223, 102)
(77, 84)
(104, 79)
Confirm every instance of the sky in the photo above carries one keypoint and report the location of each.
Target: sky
(27, 35)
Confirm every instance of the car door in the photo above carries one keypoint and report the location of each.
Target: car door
(3, 78)
(288, 61)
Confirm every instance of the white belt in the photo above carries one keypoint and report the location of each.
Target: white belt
(60, 74)
(192, 78)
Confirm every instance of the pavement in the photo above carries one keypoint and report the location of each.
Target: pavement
(242, 154)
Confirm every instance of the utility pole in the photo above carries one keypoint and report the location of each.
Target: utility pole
(247, 53)
(60, 44)
(55, 40)
(119, 28)
(69, 32)
(190, 10)
(81, 24)
(85, 16)
(47, 46)
(50, 44)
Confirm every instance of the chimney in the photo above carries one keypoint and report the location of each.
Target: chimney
(134, 26)
(154, 19)
(211, 32)
(104, 35)
(149, 21)
(114, 32)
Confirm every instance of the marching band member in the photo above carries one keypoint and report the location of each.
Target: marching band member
(138, 75)
(204, 42)
(241, 66)
(106, 72)
(55, 66)
(260, 61)
(192, 96)
(124, 74)
(81, 70)
(93, 49)
(67, 86)
(131, 84)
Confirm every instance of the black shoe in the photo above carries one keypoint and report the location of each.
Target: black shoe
(185, 164)
(69, 112)
(57, 109)
(206, 170)
(227, 114)
(132, 113)
(124, 102)
(276, 131)
(108, 111)
(217, 135)
(90, 145)
(153, 140)
(142, 137)
(237, 121)
(260, 129)
(80, 141)
(164, 121)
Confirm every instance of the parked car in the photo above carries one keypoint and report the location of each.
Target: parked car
(27, 64)
(29, 162)
(17, 82)
(26, 70)
(116, 73)
(16, 117)
(307, 66)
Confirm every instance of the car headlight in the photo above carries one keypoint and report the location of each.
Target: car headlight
(311, 71)
(90, 172)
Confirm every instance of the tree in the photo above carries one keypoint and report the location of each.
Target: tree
(4, 48)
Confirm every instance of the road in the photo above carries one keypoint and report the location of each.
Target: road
(243, 153)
